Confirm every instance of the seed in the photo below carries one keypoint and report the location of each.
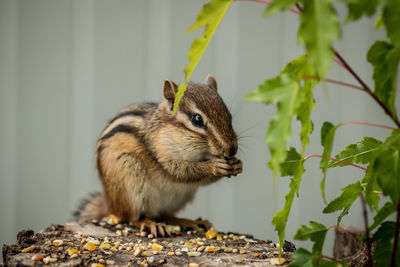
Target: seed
(58, 242)
(90, 247)
(276, 261)
(96, 265)
(243, 251)
(201, 248)
(125, 232)
(137, 252)
(194, 254)
(112, 219)
(105, 245)
(235, 250)
(155, 252)
(28, 249)
(185, 249)
(119, 232)
(228, 250)
(49, 259)
(150, 259)
(94, 242)
(118, 226)
(219, 238)
(171, 253)
(178, 253)
(72, 252)
(146, 253)
(110, 262)
(157, 246)
(211, 233)
(37, 257)
(211, 249)
(242, 237)
(257, 254)
(193, 264)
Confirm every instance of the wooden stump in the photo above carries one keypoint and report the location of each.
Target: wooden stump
(73, 244)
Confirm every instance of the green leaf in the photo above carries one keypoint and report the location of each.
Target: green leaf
(388, 209)
(359, 8)
(302, 258)
(281, 217)
(361, 152)
(384, 57)
(344, 212)
(315, 232)
(387, 167)
(327, 137)
(209, 17)
(383, 250)
(291, 164)
(318, 28)
(371, 198)
(349, 194)
(278, 5)
(391, 20)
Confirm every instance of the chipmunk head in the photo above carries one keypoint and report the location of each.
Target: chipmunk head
(203, 121)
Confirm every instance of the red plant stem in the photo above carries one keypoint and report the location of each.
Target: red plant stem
(336, 82)
(365, 215)
(369, 124)
(396, 238)
(267, 3)
(338, 160)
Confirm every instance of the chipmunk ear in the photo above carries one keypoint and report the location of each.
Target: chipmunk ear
(170, 89)
(211, 82)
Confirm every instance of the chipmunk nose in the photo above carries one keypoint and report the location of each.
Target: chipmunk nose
(233, 150)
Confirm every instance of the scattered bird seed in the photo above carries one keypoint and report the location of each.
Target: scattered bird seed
(235, 250)
(192, 264)
(72, 251)
(58, 242)
(277, 261)
(211, 249)
(28, 249)
(212, 233)
(194, 254)
(201, 248)
(90, 247)
(171, 253)
(37, 257)
(94, 242)
(49, 259)
(157, 246)
(150, 236)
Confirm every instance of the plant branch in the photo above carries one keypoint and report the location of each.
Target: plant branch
(369, 124)
(365, 215)
(396, 238)
(338, 160)
(335, 82)
(329, 258)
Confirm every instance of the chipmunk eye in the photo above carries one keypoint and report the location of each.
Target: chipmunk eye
(197, 120)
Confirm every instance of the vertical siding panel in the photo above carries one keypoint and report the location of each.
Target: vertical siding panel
(81, 139)
(8, 112)
(158, 45)
(42, 120)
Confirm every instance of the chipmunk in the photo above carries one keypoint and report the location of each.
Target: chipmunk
(151, 162)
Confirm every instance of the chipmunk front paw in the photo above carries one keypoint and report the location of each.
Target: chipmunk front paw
(227, 166)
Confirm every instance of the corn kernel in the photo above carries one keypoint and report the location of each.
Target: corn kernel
(112, 219)
(157, 246)
(28, 249)
(211, 233)
(58, 242)
(211, 249)
(72, 252)
(37, 257)
(90, 247)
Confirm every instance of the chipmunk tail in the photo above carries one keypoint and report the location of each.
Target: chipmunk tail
(92, 208)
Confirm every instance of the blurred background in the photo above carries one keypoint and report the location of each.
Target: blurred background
(67, 66)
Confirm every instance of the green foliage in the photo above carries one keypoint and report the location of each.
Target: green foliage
(385, 57)
(292, 93)
(319, 26)
(209, 17)
(349, 194)
(385, 239)
(359, 8)
(327, 136)
(285, 90)
(362, 152)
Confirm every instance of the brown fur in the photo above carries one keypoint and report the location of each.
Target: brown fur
(150, 163)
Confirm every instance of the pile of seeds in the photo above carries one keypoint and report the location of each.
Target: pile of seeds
(110, 242)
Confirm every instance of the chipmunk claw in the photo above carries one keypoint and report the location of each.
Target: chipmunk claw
(154, 227)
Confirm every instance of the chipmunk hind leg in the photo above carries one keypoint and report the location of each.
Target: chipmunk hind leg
(92, 208)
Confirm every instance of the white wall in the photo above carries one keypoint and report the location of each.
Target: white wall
(67, 66)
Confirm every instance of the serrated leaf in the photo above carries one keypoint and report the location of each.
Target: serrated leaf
(383, 250)
(291, 164)
(318, 28)
(359, 8)
(344, 212)
(210, 17)
(384, 57)
(349, 194)
(327, 137)
(315, 232)
(387, 167)
(281, 217)
(388, 209)
(391, 20)
(302, 258)
(362, 152)
(278, 5)
(371, 198)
